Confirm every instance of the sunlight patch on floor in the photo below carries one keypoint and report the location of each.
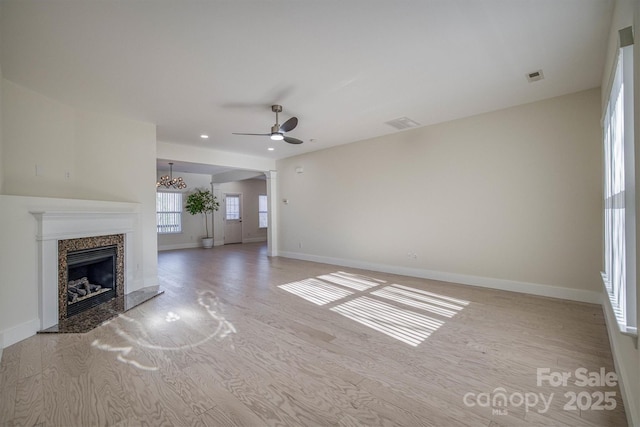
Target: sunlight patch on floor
(362, 303)
(420, 299)
(316, 291)
(404, 325)
(353, 281)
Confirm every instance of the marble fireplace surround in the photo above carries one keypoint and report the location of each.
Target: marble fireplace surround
(83, 243)
(55, 226)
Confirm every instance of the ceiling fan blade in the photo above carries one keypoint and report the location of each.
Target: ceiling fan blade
(289, 125)
(292, 140)
(253, 134)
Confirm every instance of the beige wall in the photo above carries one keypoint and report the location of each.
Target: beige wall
(1, 144)
(513, 196)
(1, 160)
(82, 157)
(634, 352)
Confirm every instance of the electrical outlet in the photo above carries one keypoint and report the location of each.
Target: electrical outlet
(299, 245)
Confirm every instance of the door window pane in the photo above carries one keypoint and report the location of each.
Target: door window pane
(233, 207)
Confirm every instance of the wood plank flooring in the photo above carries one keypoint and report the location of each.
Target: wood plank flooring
(240, 339)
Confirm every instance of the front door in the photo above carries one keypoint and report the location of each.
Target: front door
(232, 218)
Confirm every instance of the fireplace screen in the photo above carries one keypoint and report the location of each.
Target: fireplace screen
(91, 277)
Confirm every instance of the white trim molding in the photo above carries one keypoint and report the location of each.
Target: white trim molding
(60, 225)
(190, 245)
(255, 239)
(19, 332)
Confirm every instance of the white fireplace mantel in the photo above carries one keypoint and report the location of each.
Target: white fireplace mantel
(62, 225)
(59, 225)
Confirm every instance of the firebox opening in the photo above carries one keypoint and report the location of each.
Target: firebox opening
(91, 277)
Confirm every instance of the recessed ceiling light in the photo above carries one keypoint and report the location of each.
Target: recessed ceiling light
(270, 148)
(203, 136)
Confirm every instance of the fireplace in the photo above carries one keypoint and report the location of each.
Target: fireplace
(90, 275)
(63, 232)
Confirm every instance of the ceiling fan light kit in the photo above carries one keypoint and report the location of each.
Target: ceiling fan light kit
(278, 131)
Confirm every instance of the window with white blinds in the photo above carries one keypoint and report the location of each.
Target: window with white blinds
(263, 213)
(169, 212)
(619, 273)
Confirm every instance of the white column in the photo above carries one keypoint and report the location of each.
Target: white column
(272, 202)
(217, 218)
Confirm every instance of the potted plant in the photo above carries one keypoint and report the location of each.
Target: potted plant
(202, 201)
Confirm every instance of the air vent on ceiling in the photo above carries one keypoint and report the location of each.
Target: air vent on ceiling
(535, 76)
(403, 123)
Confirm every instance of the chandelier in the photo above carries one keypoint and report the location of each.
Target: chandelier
(168, 181)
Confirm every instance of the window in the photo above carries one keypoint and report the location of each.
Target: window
(619, 197)
(263, 213)
(169, 212)
(232, 207)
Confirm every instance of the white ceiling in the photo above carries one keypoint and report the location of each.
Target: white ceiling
(342, 67)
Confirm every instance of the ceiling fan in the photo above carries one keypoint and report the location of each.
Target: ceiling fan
(277, 130)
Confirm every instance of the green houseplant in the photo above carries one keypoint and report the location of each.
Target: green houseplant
(202, 201)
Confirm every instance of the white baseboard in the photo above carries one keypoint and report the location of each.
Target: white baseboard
(192, 245)
(254, 240)
(631, 405)
(140, 283)
(189, 245)
(19, 332)
(485, 282)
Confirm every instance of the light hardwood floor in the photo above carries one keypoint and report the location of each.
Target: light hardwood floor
(242, 339)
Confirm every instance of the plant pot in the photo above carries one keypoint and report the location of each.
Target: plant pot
(207, 242)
